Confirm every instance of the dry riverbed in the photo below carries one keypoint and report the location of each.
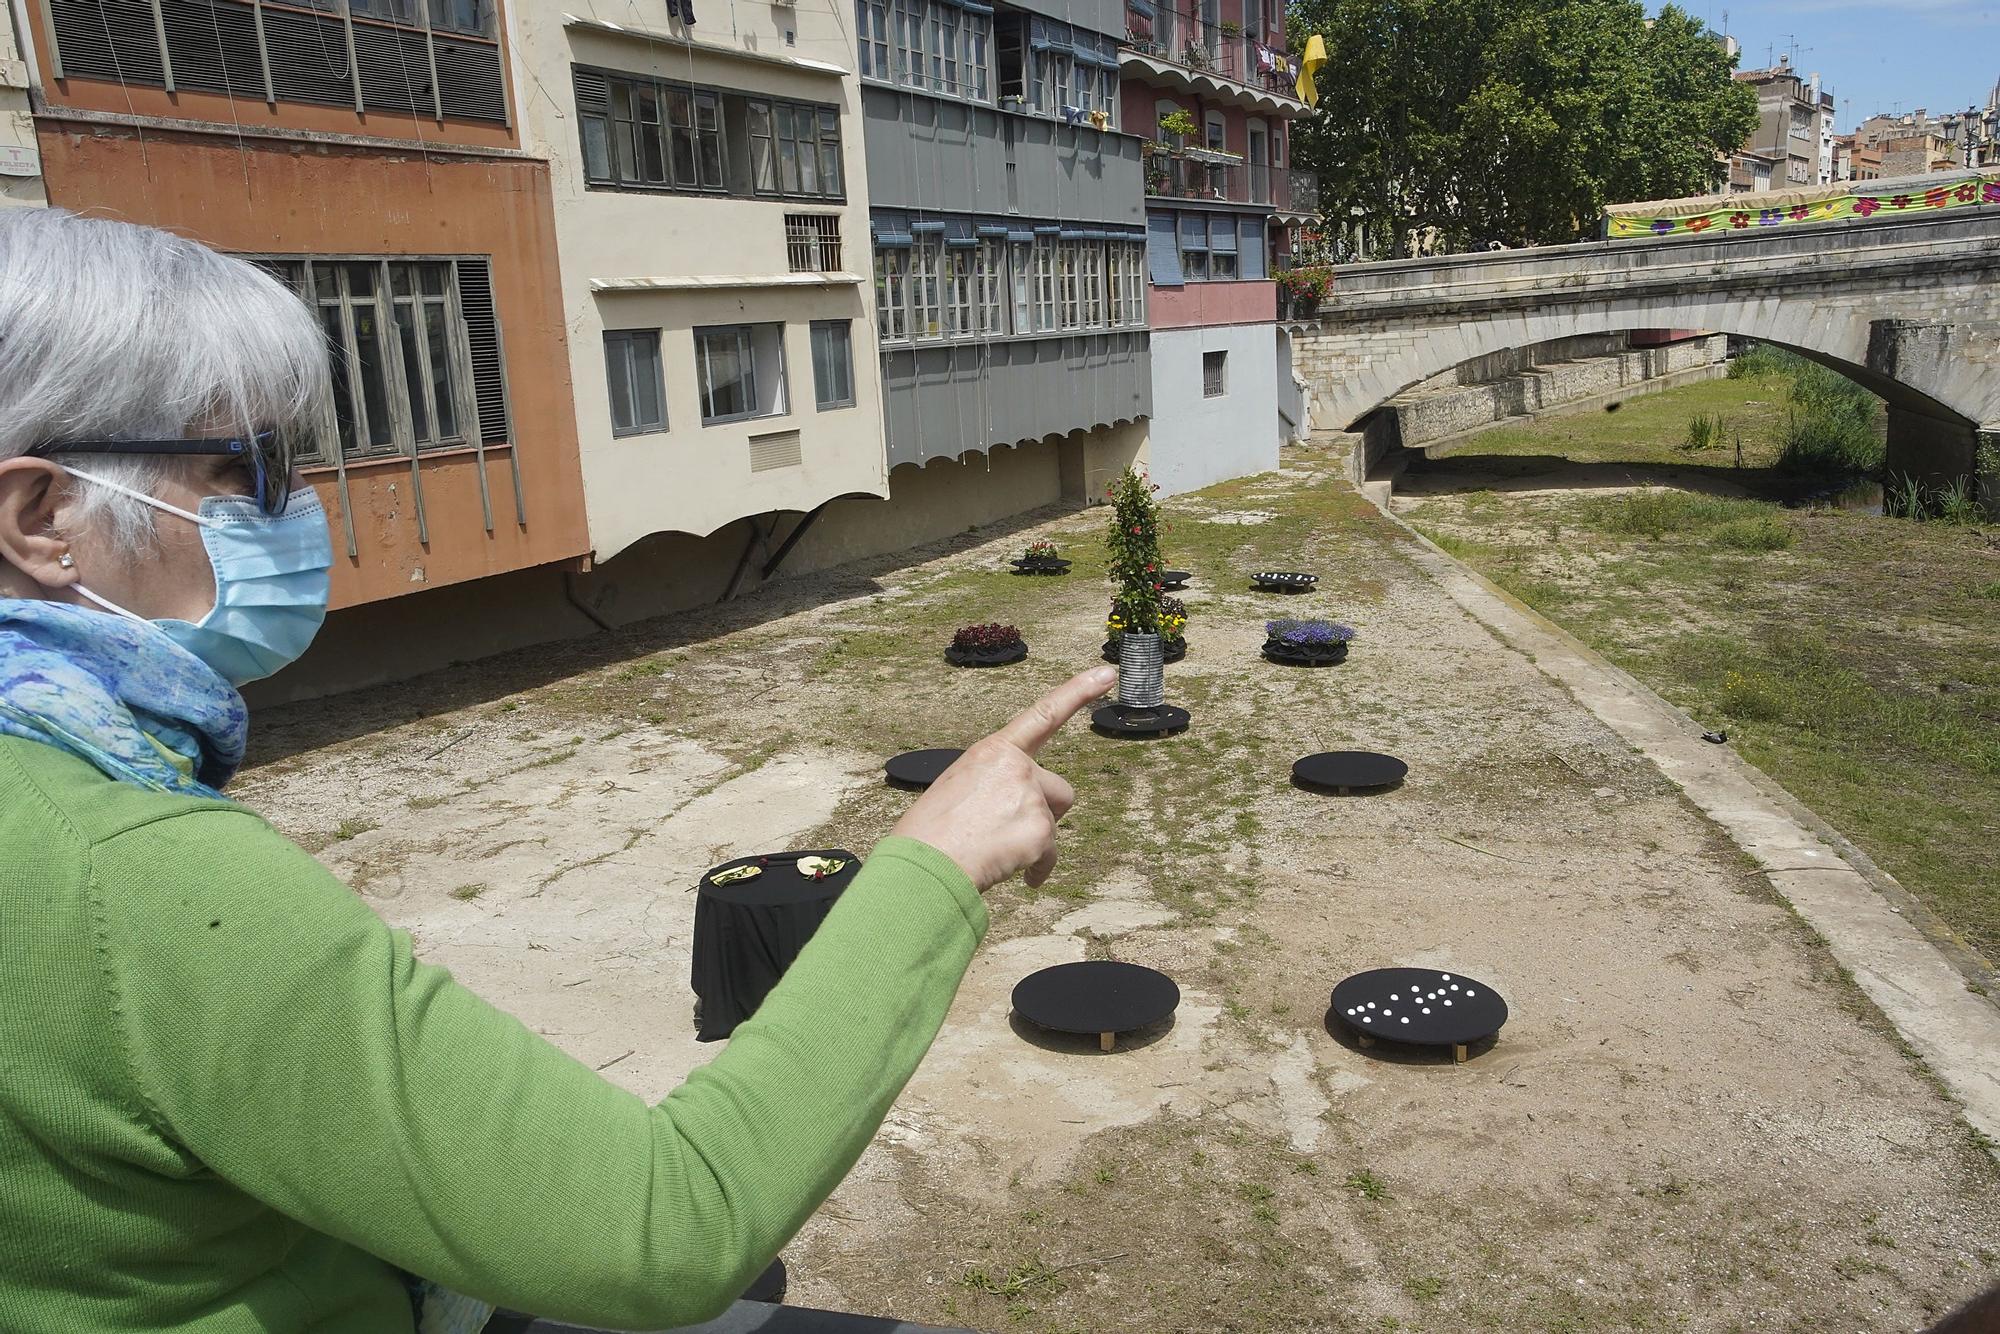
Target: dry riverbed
(1691, 1122)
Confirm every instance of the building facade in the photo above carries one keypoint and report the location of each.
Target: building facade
(20, 156)
(371, 158)
(1794, 126)
(1211, 90)
(1008, 242)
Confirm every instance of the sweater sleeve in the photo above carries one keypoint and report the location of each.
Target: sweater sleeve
(285, 1036)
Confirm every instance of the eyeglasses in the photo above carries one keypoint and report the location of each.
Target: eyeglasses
(263, 456)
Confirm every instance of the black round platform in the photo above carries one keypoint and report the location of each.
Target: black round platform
(1056, 566)
(918, 769)
(1422, 1006)
(1173, 581)
(1126, 721)
(1305, 655)
(1283, 581)
(1171, 650)
(1100, 996)
(998, 657)
(1349, 770)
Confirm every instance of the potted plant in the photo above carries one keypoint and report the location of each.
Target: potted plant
(1303, 287)
(1041, 557)
(1140, 621)
(990, 645)
(1179, 124)
(1230, 28)
(1306, 642)
(1173, 619)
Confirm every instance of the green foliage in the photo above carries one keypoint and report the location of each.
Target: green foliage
(1830, 426)
(1178, 124)
(1133, 541)
(1514, 120)
(1954, 501)
(1761, 360)
(1366, 1184)
(1657, 513)
(1703, 432)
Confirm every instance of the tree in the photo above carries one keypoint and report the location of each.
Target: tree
(1463, 121)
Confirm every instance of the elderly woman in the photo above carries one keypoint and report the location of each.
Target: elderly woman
(230, 1097)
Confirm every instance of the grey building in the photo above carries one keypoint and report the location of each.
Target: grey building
(1008, 223)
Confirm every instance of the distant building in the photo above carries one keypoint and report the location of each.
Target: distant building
(1916, 142)
(1794, 124)
(20, 158)
(1750, 172)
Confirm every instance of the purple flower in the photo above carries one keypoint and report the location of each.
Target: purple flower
(1309, 632)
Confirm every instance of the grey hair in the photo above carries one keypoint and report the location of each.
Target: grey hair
(109, 330)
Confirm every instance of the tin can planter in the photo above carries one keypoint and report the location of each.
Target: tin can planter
(1142, 677)
(1171, 650)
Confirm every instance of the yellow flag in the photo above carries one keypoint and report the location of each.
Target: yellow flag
(1309, 64)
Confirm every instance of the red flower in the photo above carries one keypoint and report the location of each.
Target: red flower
(1801, 213)
(1135, 530)
(1900, 201)
(1149, 568)
(1739, 220)
(1865, 207)
(1700, 224)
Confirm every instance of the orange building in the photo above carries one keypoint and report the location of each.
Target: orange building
(370, 156)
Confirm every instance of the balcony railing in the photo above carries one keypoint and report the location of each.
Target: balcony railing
(1175, 173)
(1203, 42)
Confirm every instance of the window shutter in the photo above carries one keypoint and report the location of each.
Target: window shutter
(1222, 233)
(308, 57)
(108, 39)
(593, 93)
(1163, 252)
(470, 82)
(213, 44)
(395, 69)
(1194, 231)
(489, 369)
(1251, 266)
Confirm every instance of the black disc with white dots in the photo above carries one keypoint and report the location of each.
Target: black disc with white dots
(918, 769)
(1348, 771)
(1418, 1005)
(1102, 996)
(1283, 581)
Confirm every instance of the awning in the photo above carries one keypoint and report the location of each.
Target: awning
(896, 240)
(990, 229)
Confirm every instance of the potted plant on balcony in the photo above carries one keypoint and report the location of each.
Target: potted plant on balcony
(1178, 125)
(1041, 557)
(1139, 620)
(986, 646)
(1303, 287)
(1305, 643)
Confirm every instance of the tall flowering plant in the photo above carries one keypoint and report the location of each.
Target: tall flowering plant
(1133, 542)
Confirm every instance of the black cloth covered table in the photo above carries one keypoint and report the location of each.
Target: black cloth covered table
(747, 933)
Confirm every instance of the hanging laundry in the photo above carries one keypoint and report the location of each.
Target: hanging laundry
(1314, 57)
(682, 10)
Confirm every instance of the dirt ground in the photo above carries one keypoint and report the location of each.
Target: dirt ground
(1691, 1121)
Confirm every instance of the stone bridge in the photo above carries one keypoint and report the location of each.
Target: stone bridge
(1909, 308)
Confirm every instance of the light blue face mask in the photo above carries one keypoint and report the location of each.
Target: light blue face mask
(272, 581)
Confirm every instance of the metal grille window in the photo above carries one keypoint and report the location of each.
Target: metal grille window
(741, 370)
(833, 364)
(640, 133)
(892, 316)
(991, 282)
(377, 55)
(926, 287)
(812, 242)
(1214, 374)
(414, 349)
(637, 382)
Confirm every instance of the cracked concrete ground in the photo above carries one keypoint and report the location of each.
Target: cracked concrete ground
(1692, 1121)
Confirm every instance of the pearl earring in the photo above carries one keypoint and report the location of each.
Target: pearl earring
(67, 561)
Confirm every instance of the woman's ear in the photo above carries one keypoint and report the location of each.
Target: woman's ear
(31, 543)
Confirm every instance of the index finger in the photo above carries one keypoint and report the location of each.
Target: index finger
(1034, 725)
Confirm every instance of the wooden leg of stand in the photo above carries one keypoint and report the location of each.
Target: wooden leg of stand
(1364, 1039)
(1458, 1052)
(1107, 1041)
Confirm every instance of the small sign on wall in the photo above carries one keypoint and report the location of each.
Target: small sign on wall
(20, 160)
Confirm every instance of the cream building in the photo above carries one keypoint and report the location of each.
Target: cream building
(712, 229)
(20, 159)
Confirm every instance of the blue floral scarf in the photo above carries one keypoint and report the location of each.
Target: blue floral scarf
(120, 694)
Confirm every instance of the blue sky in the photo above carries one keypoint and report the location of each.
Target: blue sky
(1873, 54)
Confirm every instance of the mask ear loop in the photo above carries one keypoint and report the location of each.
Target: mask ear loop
(141, 496)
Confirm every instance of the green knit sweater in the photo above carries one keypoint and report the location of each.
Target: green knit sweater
(231, 1099)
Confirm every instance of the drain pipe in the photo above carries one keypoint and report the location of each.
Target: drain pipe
(757, 535)
(569, 591)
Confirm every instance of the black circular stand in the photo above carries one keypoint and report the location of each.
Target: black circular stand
(1345, 771)
(1283, 581)
(1305, 655)
(1026, 566)
(1101, 996)
(1173, 581)
(1420, 1006)
(915, 770)
(1128, 720)
(1171, 650)
(987, 657)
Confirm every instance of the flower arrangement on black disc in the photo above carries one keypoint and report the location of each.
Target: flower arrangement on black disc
(1309, 634)
(985, 638)
(1134, 546)
(1041, 549)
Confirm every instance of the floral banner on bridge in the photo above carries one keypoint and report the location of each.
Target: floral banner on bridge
(1630, 221)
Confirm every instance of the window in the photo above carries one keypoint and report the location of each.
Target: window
(1194, 246)
(978, 32)
(1045, 283)
(1214, 374)
(958, 259)
(647, 134)
(944, 49)
(741, 370)
(1218, 132)
(988, 296)
(907, 23)
(1072, 297)
(638, 387)
(926, 287)
(833, 364)
(1090, 275)
(1135, 281)
(414, 348)
(1022, 280)
(871, 19)
(812, 242)
(892, 315)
